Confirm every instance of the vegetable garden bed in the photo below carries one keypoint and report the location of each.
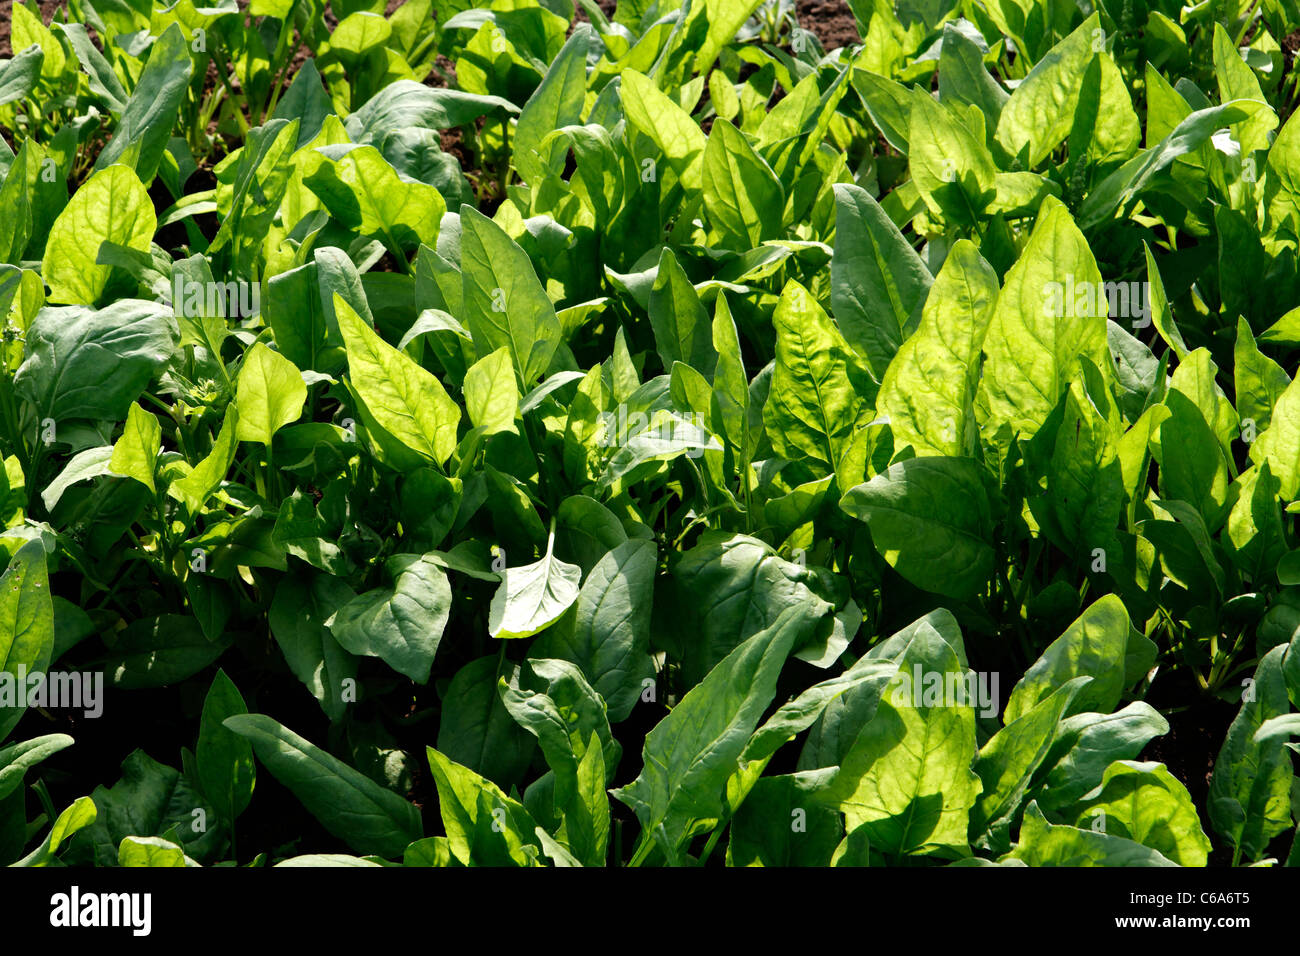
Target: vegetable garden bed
(783, 434)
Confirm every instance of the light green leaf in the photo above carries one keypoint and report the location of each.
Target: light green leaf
(111, 206)
(816, 404)
(1050, 313)
(667, 125)
(532, 597)
(270, 394)
(1040, 112)
(484, 826)
(1045, 844)
(1095, 645)
(505, 303)
(135, 453)
(492, 393)
(910, 768)
(1144, 803)
(405, 399)
(928, 392)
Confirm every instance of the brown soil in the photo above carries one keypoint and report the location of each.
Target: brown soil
(1290, 43)
(830, 20)
(606, 7)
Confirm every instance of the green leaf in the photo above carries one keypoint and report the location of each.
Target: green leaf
(135, 453)
(742, 196)
(82, 363)
(112, 206)
(1279, 443)
(197, 487)
(667, 125)
(1096, 645)
(532, 597)
(1250, 790)
(366, 816)
(815, 406)
(159, 651)
(964, 79)
(932, 520)
(19, 76)
(928, 392)
(608, 636)
(505, 303)
(689, 754)
(1049, 314)
(1008, 760)
(1236, 81)
(26, 624)
(1040, 112)
(477, 730)
(491, 393)
(565, 718)
(270, 394)
(1087, 744)
(1256, 535)
(18, 758)
(146, 124)
(406, 400)
(1045, 844)
(403, 625)
(1121, 187)
(484, 826)
(908, 774)
(1258, 380)
(77, 817)
(1144, 803)
(362, 191)
(1192, 464)
(557, 103)
(681, 325)
(781, 824)
(297, 616)
(224, 759)
(952, 169)
(149, 800)
(878, 282)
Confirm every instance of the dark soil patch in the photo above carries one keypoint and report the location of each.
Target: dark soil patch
(830, 20)
(1192, 744)
(606, 7)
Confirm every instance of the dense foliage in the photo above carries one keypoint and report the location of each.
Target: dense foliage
(529, 435)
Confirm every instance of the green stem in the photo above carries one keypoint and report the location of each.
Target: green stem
(644, 847)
